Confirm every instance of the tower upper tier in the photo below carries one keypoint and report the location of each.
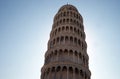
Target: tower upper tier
(68, 11)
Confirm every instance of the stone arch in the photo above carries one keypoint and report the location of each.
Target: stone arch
(64, 68)
(55, 31)
(67, 20)
(75, 30)
(80, 55)
(53, 69)
(71, 13)
(85, 75)
(58, 69)
(70, 73)
(71, 28)
(60, 55)
(71, 20)
(77, 23)
(64, 72)
(75, 40)
(64, 14)
(61, 14)
(83, 60)
(77, 16)
(76, 73)
(80, 26)
(47, 73)
(78, 31)
(55, 56)
(58, 39)
(79, 42)
(61, 39)
(74, 14)
(53, 42)
(60, 21)
(66, 39)
(71, 55)
(67, 28)
(66, 51)
(58, 73)
(63, 20)
(82, 45)
(60, 51)
(81, 73)
(71, 39)
(76, 53)
(67, 13)
(76, 56)
(63, 28)
(59, 29)
(66, 55)
(51, 57)
(81, 34)
(74, 21)
(52, 73)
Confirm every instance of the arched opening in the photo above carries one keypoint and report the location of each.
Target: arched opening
(63, 28)
(67, 28)
(67, 13)
(66, 39)
(71, 55)
(54, 42)
(70, 73)
(81, 73)
(85, 76)
(63, 20)
(64, 14)
(71, 39)
(67, 20)
(55, 31)
(71, 14)
(66, 55)
(59, 29)
(84, 60)
(48, 73)
(58, 40)
(52, 75)
(60, 21)
(77, 23)
(76, 73)
(61, 39)
(78, 31)
(64, 72)
(74, 30)
(75, 41)
(71, 20)
(76, 57)
(71, 29)
(61, 55)
(58, 73)
(51, 44)
(79, 42)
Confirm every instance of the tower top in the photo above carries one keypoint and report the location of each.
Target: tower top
(68, 7)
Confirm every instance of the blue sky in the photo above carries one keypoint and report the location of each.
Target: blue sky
(24, 32)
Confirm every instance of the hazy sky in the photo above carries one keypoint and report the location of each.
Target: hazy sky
(24, 32)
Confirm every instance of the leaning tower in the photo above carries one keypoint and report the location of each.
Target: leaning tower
(66, 56)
